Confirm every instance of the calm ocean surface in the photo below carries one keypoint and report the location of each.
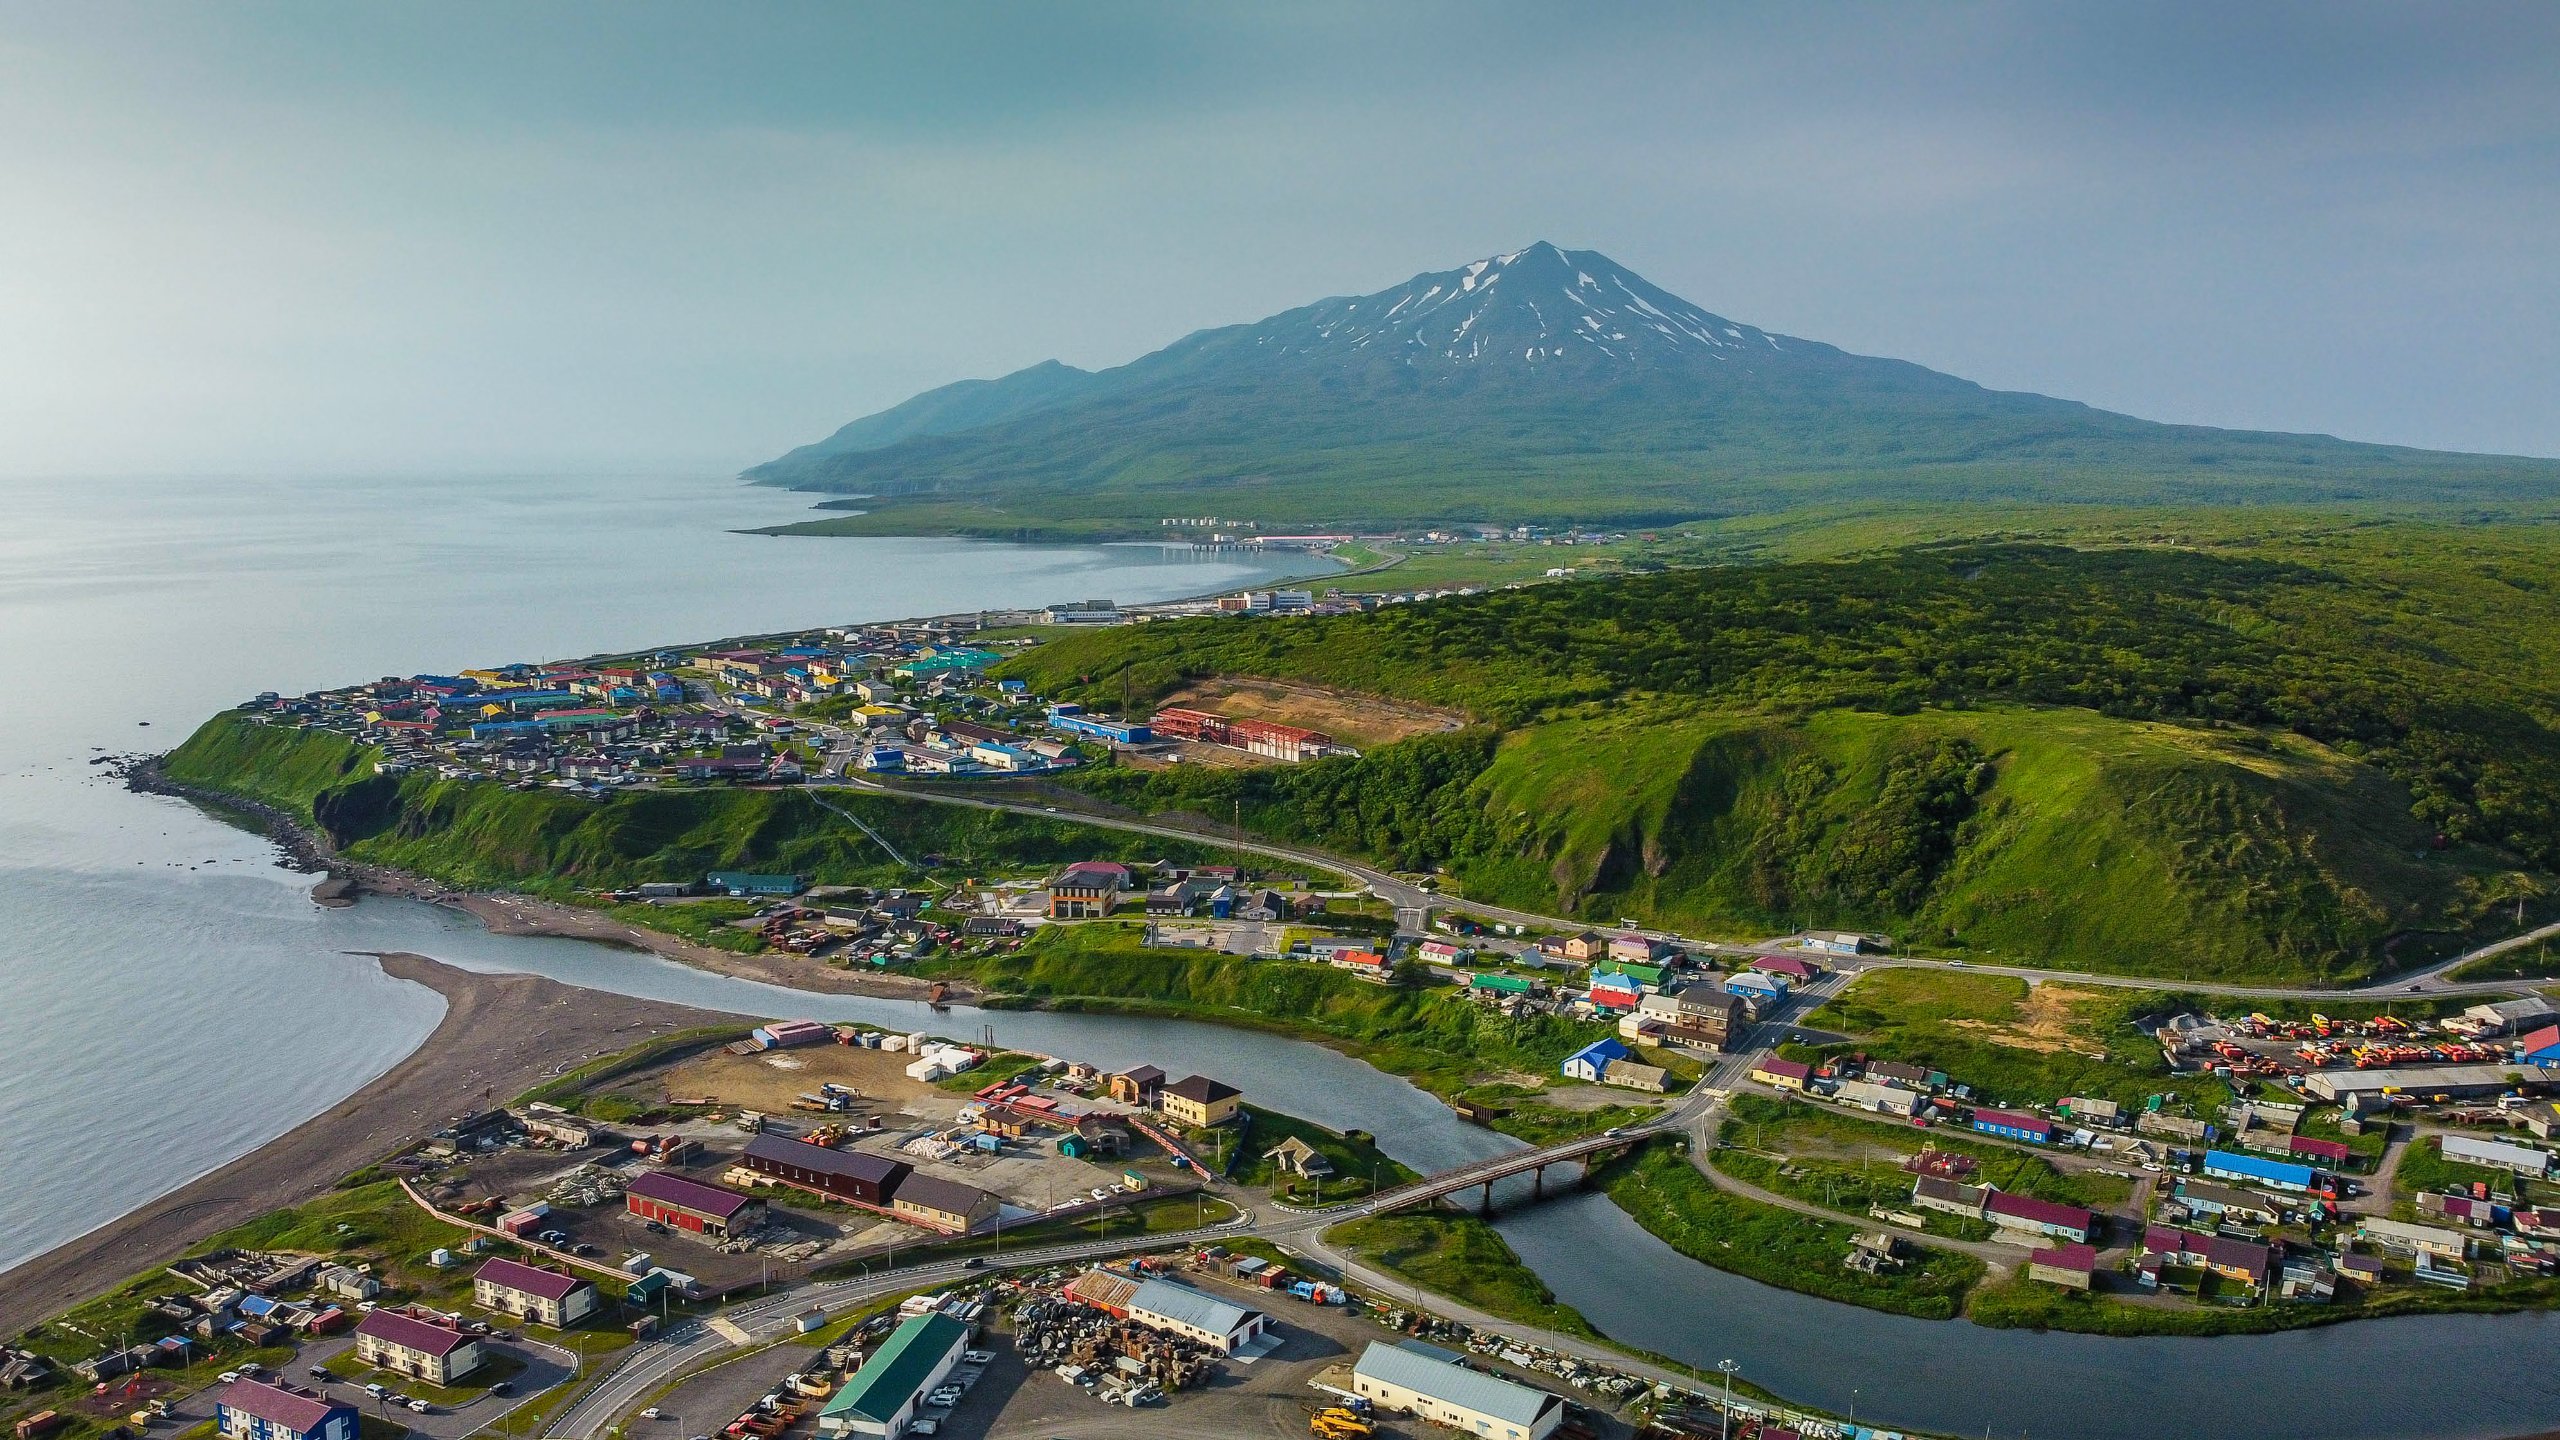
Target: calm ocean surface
(169, 1000)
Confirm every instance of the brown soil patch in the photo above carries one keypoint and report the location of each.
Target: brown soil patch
(2047, 1021)
(767, 1081)
(1346, 715)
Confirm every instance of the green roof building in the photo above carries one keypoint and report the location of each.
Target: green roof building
(881, 1398)
(1501, 984)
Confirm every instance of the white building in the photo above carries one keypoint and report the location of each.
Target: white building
(2497, 1154)
(1429, 1383)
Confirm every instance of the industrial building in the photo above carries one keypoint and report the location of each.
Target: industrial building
(1073, 720)
(2453, 1082)
(1171, 1308)
(944, 1205)
(1266, 738)
(546, 1297)
(692, 1205)
(256, 1410)
(1428, 1383)
(881, 1398)
(853, 1175)
(407, 1345)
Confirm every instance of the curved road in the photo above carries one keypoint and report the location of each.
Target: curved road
(1404, 895)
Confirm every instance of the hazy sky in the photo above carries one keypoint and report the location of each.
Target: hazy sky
(313, 237)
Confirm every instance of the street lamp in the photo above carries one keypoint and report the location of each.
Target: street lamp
(1853, 1412)
(1725, 1426)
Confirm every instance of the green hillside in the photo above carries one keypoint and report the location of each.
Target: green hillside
(2152, 760)
(476, 833)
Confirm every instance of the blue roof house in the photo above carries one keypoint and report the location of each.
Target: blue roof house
(1588, 1062)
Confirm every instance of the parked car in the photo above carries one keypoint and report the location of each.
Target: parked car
(323, 1374)
(977, 1357)
(377, 1392)
(422, 1407)
(502, 1387)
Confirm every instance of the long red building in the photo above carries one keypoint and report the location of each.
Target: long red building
(1260, 737)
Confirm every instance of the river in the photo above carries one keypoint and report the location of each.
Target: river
(173, 1000)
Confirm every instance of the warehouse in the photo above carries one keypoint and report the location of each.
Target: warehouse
(851, 1175)
(544, 1296)
(882, 1397)
(1173, 1309)
(692, 1205)
(2257, 1170)
(406, 1345)
(1429, 1383)
(1881, 1099)
(256, 1410)
(2454, 1082)
(2498, 1155)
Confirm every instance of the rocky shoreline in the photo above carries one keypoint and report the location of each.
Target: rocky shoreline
(344, 881)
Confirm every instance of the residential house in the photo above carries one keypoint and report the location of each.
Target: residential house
(2074, 1267)
(1295, 1156)
(1196, 1101)
(1935, 1192)
(2012, 1125)
(426, 1350)
(1629, 1075)
(1782, 1074)
(1698, 1015)
(1593, 1060)
(2401, 1238)
(1087, 890)
(1588, 946)
(2014, 1216)
(2243, 1207)
(1138, 1086)
(2497, 1154)
(527, 1292)
(258, 1410)
(1881, 1099)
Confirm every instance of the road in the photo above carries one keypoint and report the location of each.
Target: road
(692, 1342)
(1405, 895)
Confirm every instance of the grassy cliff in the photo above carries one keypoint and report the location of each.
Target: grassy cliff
(478, 833)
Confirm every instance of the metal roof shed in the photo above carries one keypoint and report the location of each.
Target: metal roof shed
(1431, 1383)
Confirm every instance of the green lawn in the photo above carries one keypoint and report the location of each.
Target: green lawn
(1986, 1032)
(1659, 1188)
(1461, 1257)
(1355, 1158)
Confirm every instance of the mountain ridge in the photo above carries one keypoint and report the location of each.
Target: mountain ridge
(1548, 384)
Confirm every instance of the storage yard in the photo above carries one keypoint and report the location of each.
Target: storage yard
(1040, 1359)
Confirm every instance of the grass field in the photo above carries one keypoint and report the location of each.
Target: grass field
(1463, 1258)
(1848, 1162)
(1358, 1165)
(1667, 1196)
(2013, 1043)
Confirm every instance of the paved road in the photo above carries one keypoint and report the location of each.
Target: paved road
(692, 1342)
(1404, 894)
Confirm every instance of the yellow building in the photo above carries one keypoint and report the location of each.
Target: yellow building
(1197, 1100)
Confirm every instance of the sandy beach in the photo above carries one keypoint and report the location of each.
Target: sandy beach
(500, 1035)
